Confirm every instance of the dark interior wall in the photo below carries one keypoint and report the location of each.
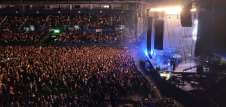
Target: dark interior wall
(220, 31)
(212, 27)
(220, 24)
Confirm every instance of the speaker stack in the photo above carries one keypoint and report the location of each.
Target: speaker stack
(149, 33)
(159, 31)
(186, 16)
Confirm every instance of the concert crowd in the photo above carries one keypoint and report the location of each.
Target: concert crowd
(44, 76)
(69, 76)
(85, 27)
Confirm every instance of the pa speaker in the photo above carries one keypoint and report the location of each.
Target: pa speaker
(159, 31)
(186, 18)
(149, 33)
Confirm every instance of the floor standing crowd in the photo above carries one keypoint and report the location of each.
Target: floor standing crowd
(68, 76)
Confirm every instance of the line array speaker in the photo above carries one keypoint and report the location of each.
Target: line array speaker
(149, 33)
(159, 32)
(186, 16)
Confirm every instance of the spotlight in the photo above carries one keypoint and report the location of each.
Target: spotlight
(167, 10)
(193, 10)
(106, 6)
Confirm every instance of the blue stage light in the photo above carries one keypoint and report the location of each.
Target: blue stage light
(146, 52)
